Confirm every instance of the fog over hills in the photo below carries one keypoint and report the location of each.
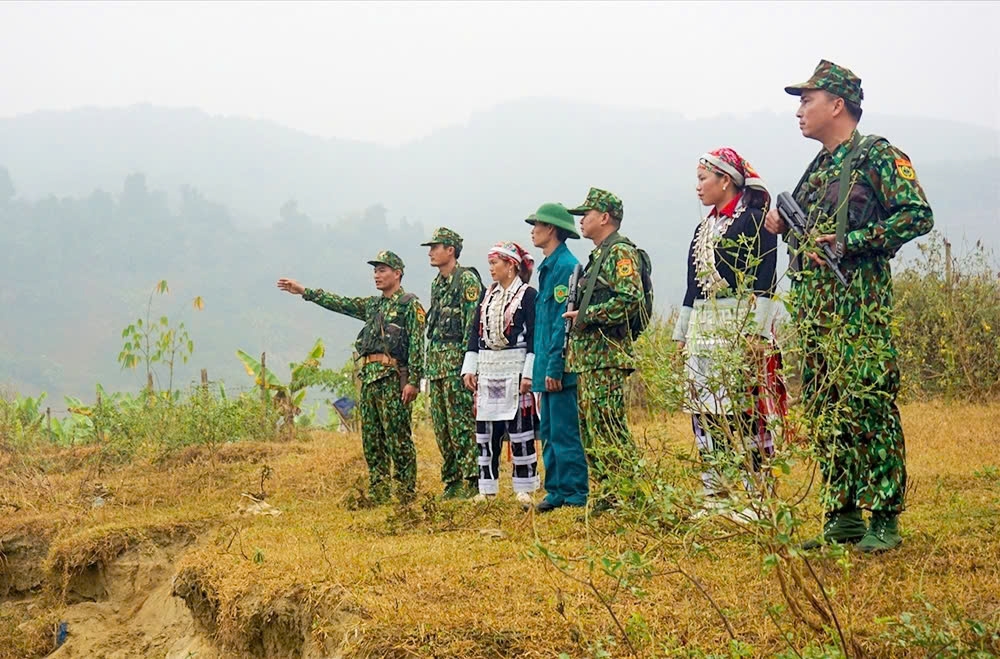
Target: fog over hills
(86, 238)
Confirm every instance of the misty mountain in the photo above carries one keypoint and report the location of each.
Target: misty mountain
(103, 203)
(544, 149)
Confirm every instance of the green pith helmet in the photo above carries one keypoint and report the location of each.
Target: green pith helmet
(557, 216)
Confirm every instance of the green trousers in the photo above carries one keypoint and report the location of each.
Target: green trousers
(385, 435)
(604, 423)
(454, 428)
(562, 450)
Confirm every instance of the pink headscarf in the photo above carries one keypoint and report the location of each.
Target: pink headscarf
(726, 161)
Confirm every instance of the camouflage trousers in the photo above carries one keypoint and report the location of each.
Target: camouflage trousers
(454, 428)
(388, 444)
(850, 379)
(604, 431)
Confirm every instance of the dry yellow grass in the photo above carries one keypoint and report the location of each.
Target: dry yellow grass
(455, 579)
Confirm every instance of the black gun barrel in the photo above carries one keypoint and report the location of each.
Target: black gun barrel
(793, 216)
(574, 286)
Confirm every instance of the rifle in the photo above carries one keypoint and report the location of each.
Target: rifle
(793, 216)
(574, 285)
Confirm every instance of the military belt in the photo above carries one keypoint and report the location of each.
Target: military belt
(379, 358)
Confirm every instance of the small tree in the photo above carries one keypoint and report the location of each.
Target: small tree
(149, 341)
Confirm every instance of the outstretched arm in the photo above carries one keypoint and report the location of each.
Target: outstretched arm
(355, 307)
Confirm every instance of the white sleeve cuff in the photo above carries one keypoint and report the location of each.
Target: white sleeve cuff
(681, 326)
(764, 315)
(529, 366)
(471, 363)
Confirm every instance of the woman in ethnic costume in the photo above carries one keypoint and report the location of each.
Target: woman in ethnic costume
(498, 368)
(727, 307)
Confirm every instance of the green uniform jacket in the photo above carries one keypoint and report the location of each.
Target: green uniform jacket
(550, 326)
(409, 316)
(453, 310)
(885, 177)
(886, 209)
(596, 340)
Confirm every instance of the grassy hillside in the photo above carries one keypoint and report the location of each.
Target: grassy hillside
(167, 558)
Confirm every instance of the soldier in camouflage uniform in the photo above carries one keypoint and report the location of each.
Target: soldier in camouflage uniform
(455, 293)
(390, 349)
(600, 345)
(861, 195)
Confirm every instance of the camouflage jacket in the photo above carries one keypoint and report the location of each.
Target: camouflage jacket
(595, 340)
(886, 205)
(401, 331)
(453, 312)
(886, 209)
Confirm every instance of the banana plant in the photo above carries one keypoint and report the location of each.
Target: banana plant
(29, 411)
(77, 427)
(305, 373)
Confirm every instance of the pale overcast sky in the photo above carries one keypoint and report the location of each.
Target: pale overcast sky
(393, 72)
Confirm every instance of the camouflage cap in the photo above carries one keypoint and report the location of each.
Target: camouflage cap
(444, 236)
(833, 78)
(385, 257)
(557, 216)
(600, 200)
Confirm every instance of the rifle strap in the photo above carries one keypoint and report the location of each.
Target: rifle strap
(858, 146)
(595, 272)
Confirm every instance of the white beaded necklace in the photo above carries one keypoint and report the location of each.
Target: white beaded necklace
(706, 240)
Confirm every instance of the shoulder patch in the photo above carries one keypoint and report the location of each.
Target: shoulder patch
(421, 315)
(472, 292)
(624, 268)
(905, 169)
(560, 293)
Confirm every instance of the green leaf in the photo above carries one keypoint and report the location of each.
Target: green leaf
(318, 350)
(251, 365)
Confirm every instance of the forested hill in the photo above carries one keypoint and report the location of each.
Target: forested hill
(97, 205)
(78, 270)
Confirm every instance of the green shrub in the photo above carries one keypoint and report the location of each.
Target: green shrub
(949, 332)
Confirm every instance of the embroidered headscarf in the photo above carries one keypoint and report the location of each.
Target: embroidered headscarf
(752, 190)
(726, 161)
(514, 253)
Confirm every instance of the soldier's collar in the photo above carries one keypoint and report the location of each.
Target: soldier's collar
(845, 147)
(454, 271)
(607, 241)
(550, 259)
